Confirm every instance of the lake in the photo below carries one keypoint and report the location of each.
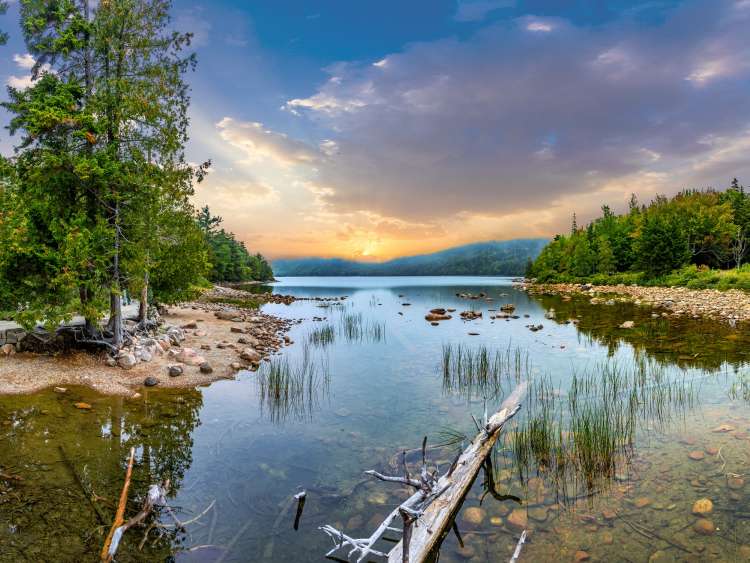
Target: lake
(623, 430)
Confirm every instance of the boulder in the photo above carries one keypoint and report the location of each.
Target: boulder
(434, 317)
(250, 355)
(175, 371)
(126, 360)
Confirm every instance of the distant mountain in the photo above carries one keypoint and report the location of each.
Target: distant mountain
(493, 258)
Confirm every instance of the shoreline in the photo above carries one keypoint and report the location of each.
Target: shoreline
(226, 338)
(730, 306)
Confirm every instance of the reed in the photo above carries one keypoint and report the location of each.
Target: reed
(322, 336)
(289, 390)
(479, 372)
(580, 439)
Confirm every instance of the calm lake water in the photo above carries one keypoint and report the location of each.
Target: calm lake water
(623, 430)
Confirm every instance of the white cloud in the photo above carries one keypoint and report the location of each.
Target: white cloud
(259, 143)
(539, 26)
(25, 61)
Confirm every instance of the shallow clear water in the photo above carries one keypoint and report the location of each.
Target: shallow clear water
(378, 389)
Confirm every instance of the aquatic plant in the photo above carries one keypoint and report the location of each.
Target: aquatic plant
(323, 336)
(581, 438)
(479, 372)
(353, 328)
(292, 390)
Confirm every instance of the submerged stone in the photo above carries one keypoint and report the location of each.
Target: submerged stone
(473, 516)
(703, 506)
(696, 455)
(704, 527)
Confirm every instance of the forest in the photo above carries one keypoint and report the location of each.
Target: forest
(96, 201)
(698, 238)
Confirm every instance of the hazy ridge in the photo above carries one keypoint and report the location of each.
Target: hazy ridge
(491, 258)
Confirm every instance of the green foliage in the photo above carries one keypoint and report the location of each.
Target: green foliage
(230, 260)
(96, 201)
(656, 243)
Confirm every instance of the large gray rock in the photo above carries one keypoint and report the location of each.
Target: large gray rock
(126, 360)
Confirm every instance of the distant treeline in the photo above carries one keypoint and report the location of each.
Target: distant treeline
(671, 240)
(230, 259)
(495, 258)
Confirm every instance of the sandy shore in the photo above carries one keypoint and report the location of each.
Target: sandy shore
(731, 306)
(214, 339)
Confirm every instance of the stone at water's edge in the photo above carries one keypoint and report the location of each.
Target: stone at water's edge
(205, 367)
(150, 381)
(175, 371)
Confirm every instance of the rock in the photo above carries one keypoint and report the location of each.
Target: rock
(205, 346)
(696, 455)
(378, 497)
(249, 340)
(723, 428)
(146, 356)
(60, 390)
(8, 350)
(250, 355)
(438, 311)
(190, 357)
(518, 519)
(126, 360)
(434, 317)
(466, 552)
(235, 366)
(703, 506)
(581, 555)
(473, 516)
(191, 324)
(150, 381)
(538, 513)
(205, 367)
(496, 521)
(642, 502)
(200, 333)
(627, 324)
(704, 527)
(710, 450)
(660, 556)
(226, 315)
(609, 514)
(83, 406)
(607, 538)
(111, 362)
(236, 329)
(735, 482)
(175, 371)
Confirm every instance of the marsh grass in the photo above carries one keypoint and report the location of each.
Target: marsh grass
(582, 438)
(289, 390)
(478, 372)
(354, 329)
(322, 336)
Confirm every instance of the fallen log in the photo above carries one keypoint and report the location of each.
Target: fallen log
(428, 514)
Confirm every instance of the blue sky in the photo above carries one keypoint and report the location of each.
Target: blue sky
(375, 129)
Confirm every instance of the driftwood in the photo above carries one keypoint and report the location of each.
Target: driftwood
(428, 514)
(106, 554)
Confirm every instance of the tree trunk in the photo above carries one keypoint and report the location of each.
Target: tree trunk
(115, 301)
(143, 305)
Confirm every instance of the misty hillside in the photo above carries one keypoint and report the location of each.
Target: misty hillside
(493, 258)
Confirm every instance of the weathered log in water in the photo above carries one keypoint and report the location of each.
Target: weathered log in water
(429, 513)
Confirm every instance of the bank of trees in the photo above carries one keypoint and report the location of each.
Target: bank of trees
(703, 230)
(230, 259)
(95, 203)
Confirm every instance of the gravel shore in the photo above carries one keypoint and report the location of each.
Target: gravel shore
(223, 343)
(730, 306)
